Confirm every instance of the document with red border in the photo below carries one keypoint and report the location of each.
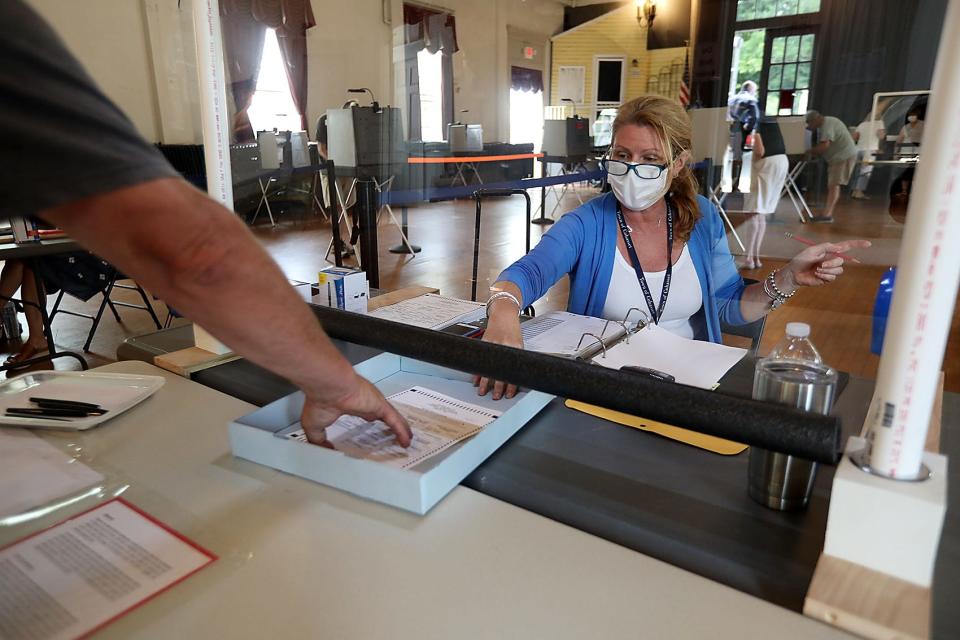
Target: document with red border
(67, 581)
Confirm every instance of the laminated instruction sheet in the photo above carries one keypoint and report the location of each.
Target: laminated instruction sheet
(78, 576)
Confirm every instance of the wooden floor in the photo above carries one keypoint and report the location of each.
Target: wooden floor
(840, 314)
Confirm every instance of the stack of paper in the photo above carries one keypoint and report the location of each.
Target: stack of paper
(432, 311)
(33, 473)
(691, 362)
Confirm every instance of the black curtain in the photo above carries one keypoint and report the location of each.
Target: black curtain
(523, 79)
(434, 31)
(864, 48)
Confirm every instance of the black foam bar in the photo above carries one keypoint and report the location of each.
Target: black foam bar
(770, 426)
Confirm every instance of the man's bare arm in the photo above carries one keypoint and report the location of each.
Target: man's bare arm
(199, 258)
(820, 148)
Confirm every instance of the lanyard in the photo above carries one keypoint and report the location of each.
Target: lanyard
(655, 312)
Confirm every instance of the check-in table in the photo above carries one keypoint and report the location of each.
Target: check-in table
(297, 559)
(664, 499)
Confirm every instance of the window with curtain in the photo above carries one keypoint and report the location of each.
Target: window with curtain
(272, 105)
(245, 24)
(434, 32)
(526, 106)
(430, 69)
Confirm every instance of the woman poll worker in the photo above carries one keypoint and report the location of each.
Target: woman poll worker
(651, 243)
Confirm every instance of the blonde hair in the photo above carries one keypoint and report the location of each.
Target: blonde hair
(672, 126)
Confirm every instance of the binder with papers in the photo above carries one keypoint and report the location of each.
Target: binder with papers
(570, 335)
(630, 343)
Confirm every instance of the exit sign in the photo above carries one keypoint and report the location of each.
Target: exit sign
(529, 53)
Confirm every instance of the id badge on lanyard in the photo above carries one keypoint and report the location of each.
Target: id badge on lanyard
(656, 311)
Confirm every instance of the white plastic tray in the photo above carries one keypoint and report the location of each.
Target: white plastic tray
(115, 392)
(416, 489)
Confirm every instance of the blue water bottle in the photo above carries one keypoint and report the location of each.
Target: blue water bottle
(881, 309)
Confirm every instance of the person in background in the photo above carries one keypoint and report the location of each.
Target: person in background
(651, 243)
(82, 275)
(912, 132)
(770, 166)
(16, 276)
(836, 146)
(867, 136)
(78, 162)
(743, 113)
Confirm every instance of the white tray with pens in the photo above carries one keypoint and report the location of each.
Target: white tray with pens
(110, 393)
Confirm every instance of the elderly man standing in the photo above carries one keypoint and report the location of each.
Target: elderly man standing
(837, 147)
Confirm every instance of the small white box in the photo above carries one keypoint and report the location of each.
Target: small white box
(890, 526)
(305, 291)
(321, 295)
(347, 288)
(416, 489)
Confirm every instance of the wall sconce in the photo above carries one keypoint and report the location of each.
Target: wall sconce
(646, 12)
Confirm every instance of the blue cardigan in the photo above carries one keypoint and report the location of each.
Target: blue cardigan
(583, 244)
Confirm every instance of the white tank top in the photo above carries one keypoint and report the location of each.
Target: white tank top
(683, 301)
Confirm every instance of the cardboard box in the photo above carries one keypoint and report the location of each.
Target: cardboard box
(343, 288)
(416, 489)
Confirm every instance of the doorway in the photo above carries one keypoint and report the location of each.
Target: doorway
(608, 81)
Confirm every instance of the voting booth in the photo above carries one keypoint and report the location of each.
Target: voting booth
(464, 137)
(366, 141)
(567, 138)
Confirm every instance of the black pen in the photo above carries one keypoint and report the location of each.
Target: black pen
(646, 372)
(16, 415)
(66, 404)
(48, 412)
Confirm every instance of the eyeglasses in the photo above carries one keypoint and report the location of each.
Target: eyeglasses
(645, 171)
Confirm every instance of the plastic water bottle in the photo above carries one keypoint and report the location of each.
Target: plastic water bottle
(796, 345)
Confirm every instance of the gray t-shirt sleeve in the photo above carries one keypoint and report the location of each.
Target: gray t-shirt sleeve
(61, 138)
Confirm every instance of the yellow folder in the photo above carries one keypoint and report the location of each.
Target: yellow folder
(701, 440)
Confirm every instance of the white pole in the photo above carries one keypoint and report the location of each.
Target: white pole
(928, 273)
(213, 100)
(214, 119)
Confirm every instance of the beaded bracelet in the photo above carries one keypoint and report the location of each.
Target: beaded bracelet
(773, 291)
(499, 295)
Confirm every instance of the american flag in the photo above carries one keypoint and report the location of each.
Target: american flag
(684, 94)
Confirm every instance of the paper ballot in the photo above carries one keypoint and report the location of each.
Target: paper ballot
(691, 362)
(437, 421)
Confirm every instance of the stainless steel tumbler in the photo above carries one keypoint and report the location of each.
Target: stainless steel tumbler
(777, 480)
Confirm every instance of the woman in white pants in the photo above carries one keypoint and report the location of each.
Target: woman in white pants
(768, 173)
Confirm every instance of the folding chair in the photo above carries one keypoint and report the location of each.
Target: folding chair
(107, 302)
(752, 330)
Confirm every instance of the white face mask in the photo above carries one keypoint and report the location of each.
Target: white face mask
(636, 193)
(911, 119)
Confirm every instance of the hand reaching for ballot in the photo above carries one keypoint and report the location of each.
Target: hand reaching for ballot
(819, 264)
(502, 328)
(362, 400)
